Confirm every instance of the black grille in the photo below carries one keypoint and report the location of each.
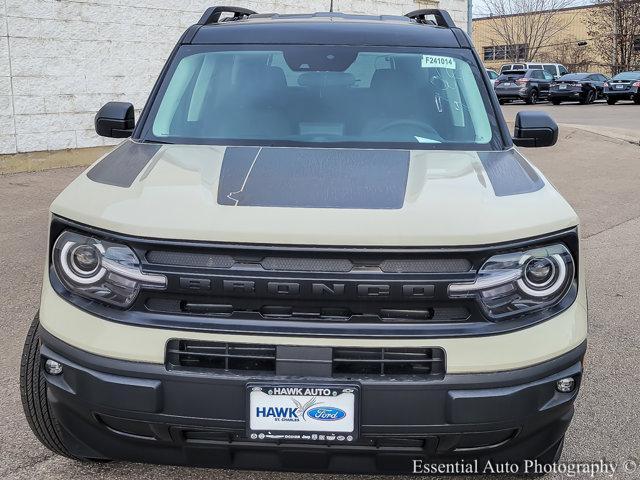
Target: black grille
(388, 361)
(351, 362)
(308, 264)
(335, 314)
(227, 357)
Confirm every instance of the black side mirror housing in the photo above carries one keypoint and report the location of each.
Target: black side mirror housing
(535, 129)
(115, 120)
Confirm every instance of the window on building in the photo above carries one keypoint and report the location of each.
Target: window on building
(505, 52)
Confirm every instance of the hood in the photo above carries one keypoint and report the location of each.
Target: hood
(317, 196)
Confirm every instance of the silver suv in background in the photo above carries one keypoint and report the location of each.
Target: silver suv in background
(555, 69)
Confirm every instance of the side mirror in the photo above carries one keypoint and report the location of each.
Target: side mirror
(115, 120)
(535, 129)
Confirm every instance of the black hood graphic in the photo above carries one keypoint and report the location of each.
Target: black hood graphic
(313, 178)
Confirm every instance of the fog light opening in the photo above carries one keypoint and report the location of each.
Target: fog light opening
(566, 385)
(52, 367)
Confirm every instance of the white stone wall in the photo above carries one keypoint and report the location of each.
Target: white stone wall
(61, 60)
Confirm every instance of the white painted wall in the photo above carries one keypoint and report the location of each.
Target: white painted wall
(61, 60)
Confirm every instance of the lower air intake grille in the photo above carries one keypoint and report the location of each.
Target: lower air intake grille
(392, 362)
(350, 362)
(227, 357)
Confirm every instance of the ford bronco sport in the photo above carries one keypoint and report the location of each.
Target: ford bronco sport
(318, 250)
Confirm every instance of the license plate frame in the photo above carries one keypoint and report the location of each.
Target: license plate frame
(265, 394)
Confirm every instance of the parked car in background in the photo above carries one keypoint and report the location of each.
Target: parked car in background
(555, 69)
(493, 75)
(527, 85)
(578, 87)
(624, 86)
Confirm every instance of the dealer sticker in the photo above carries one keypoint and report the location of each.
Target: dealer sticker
(437, 61)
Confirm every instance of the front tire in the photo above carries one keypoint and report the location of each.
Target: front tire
(33, 390)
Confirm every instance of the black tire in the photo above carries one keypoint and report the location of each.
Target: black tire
(556, 101)
(33, 390)
(611, 101)
(502, 102)
(636, 99)
(590, 97)
(532, 99)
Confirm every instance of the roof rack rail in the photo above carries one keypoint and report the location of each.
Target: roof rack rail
(213, 14)
(443, 19)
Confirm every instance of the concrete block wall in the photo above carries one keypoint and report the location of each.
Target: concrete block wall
(61, 60)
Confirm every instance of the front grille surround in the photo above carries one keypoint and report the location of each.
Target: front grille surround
(420, 318)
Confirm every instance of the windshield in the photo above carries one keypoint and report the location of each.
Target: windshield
(322, 96)
(627, 76)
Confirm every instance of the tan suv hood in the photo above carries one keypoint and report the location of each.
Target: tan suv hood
(315, 196)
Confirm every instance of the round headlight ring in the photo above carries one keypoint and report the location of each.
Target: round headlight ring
(550, 287)
(85, 259)
(539, 272)
(73, 271)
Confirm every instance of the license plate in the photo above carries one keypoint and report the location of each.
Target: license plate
(619, 87)
(306, 413)
(562, 87)
(507, 84)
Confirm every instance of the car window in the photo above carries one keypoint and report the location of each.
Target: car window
(535, 66)
(573, 77)
(547, 75)
(627, 76)
(492, 75)
(324, 95)
(550, 69)
(562, 70)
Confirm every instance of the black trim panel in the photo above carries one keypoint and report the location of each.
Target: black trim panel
(123, 165)
(313, 178)
(510, 173)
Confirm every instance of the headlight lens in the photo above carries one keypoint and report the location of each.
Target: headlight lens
(515, 283)
(101, 270)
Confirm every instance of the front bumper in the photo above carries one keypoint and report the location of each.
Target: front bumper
(124, 410)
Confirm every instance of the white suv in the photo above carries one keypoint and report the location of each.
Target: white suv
(318, 250)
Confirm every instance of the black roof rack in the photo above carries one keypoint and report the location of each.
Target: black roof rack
(443, 19)
(213, 14)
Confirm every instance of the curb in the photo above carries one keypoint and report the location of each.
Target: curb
(39, 161)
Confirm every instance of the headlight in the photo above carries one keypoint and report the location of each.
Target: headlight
(101, 270)
(512, 284)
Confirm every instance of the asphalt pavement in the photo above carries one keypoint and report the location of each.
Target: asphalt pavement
(598, 174)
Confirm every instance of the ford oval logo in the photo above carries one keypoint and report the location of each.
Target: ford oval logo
(326, 414)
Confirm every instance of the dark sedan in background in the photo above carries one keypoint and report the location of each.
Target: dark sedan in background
(528, 85)
(577, 87)
(624, 86)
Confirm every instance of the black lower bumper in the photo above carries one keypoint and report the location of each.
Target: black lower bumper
(626, 95)
(141, 412)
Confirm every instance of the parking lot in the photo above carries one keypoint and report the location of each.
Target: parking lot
(596, 166)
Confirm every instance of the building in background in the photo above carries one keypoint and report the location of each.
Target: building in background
(585, 44)
(61, 60)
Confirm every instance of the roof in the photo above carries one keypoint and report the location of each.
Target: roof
(326, 28)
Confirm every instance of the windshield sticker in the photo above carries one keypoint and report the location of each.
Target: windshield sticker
(437, 61)
(426, 140)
